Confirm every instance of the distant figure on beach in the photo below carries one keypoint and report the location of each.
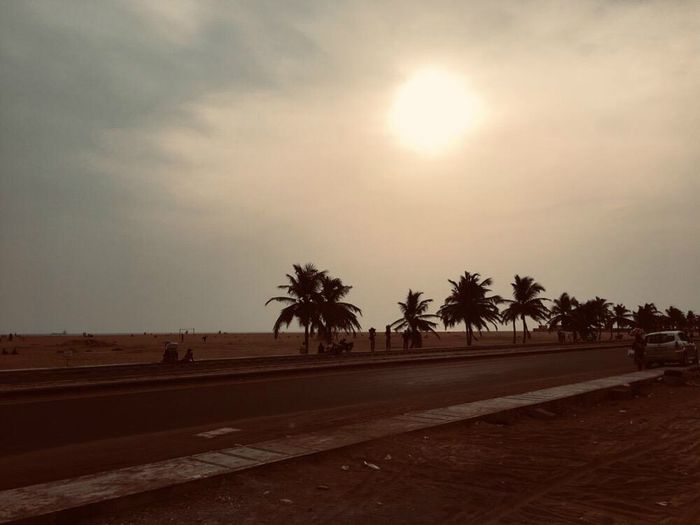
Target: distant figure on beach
(406, 336)
(182, 337)
(188, 357)
(204, 338)
(9, 337)
(387, 337)
(372, 336)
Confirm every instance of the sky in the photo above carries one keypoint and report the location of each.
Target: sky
(164, 163)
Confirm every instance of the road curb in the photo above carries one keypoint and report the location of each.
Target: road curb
(67, 501)
(370, 362)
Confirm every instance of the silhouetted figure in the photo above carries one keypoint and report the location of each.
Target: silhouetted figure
(639, 346)
(387, 337)
(188, 357)
(9, 337)
(561, 336)
(372, 337)
(182, 337)
(406, 336)
(204, 338)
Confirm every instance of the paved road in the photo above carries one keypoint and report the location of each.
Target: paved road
(65, 436)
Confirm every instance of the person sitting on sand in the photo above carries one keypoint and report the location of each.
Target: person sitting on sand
(188, 357)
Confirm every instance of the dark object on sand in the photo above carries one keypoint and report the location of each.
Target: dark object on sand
(170, 354)
(188, 357)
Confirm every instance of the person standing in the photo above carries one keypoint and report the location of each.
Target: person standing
(406, 335)
(638, 346)
(387, 337)
(372, 337)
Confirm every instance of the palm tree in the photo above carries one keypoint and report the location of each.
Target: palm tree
(620, 317)
(601, 308)
(526, 303)
(691, 320)
(302, 300)
(511, 315)
(646, 317)
(560, 314)
(335, 314)
(676, 318)
(469, 303)
(414, 316)
(585, 318)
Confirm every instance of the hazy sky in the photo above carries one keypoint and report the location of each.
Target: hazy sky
(164, 163)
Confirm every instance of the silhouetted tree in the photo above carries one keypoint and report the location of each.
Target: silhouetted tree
(511, 315)
(620, 317)
(585, 318)
(675, 318)
(526, 302)
(335, 314)
(601, 307)
(302, 300)
(647, 317)
(561, 312)
(691, 322)
(414, 316)
(469, 303)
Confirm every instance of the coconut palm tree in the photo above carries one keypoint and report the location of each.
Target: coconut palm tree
(601, 307)
(526, 302)
(560, 314)
(302, 300)
(620, 317)
(585, 319)
(469, 303)
(511, 315)
(335, 314)
(646, 317)
(414, 316)
(675, 318)
(691, 320)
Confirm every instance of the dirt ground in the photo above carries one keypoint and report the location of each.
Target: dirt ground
(634, 461)
(74, 350)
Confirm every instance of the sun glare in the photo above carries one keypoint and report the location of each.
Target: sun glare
(432, 111)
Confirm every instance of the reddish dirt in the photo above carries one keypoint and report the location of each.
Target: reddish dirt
(635, 461)
(49, 351)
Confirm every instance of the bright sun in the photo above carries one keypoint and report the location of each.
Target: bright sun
(432, 111)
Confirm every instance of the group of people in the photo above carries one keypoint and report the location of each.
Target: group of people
(409, 339)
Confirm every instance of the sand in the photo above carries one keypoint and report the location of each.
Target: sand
(103, 349)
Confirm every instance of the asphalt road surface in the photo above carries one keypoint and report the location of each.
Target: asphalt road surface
(64, 436)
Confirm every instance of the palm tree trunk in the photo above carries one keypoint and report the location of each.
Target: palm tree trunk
(514, 340)
(306, 338)
(524, 328)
